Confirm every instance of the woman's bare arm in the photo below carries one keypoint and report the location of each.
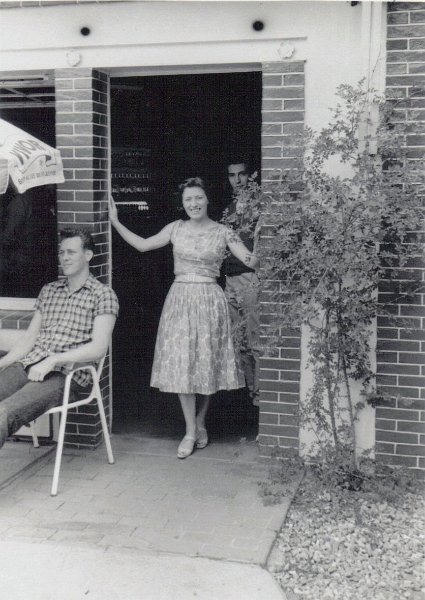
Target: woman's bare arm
(141, 244)
(238, 249)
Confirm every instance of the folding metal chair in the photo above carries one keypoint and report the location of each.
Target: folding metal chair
(67, 405)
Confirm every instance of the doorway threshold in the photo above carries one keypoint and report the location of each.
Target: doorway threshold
(229, 449)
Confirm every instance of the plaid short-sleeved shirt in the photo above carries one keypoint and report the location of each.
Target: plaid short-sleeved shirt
(67, 319)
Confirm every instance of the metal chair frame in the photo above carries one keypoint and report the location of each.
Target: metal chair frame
(63, 409)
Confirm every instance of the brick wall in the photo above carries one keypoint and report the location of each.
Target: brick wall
(282, 116)
(82, 136)
(400, 424)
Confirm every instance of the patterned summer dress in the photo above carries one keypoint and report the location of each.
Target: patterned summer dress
(194, 351)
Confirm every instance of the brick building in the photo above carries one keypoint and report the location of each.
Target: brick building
(401, 342)
(92, 60)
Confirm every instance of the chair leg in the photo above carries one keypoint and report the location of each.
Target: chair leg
(59, 450)
(34, 435)
(106, 437)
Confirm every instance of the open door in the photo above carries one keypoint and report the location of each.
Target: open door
(164, 130)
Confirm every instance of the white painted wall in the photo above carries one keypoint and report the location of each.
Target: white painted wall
(165, 34)
(365, 423)
(9, 337)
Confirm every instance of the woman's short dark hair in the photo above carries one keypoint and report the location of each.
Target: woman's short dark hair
(193, 182)
(84, 235)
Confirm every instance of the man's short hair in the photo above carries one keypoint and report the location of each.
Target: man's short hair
(239, 160)
(84, 235)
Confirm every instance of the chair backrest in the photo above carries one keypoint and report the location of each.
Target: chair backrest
(98, 368)
(100, 364)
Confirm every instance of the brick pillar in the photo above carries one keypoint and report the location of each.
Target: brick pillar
(82, 137)
(282, 119)
(400, 425)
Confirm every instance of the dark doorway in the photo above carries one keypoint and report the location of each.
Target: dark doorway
(165, 129)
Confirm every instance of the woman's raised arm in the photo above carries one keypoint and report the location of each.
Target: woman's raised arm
(141, 244)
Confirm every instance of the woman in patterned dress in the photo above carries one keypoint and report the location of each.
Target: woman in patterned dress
(194, 352)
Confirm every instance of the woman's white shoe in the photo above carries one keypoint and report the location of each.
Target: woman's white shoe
(201, 438)
(186, 447)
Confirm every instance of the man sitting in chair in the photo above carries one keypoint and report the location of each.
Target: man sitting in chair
(73, 322)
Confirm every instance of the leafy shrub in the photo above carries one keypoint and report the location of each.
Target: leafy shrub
(328, 240)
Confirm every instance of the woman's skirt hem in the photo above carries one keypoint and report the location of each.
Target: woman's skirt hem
(202, 393)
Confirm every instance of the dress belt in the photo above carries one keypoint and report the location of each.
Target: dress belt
(192, 278)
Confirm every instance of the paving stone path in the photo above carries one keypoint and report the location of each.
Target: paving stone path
(149, 501)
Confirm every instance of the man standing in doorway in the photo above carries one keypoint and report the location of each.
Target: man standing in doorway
(73, 322)
(242, 285)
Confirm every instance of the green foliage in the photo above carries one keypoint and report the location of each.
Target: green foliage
(328, 241)
(333, 472)
(283, 476)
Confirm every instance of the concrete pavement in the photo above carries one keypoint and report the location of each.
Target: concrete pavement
(16, 457)
(146, 527)
(59, 572)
